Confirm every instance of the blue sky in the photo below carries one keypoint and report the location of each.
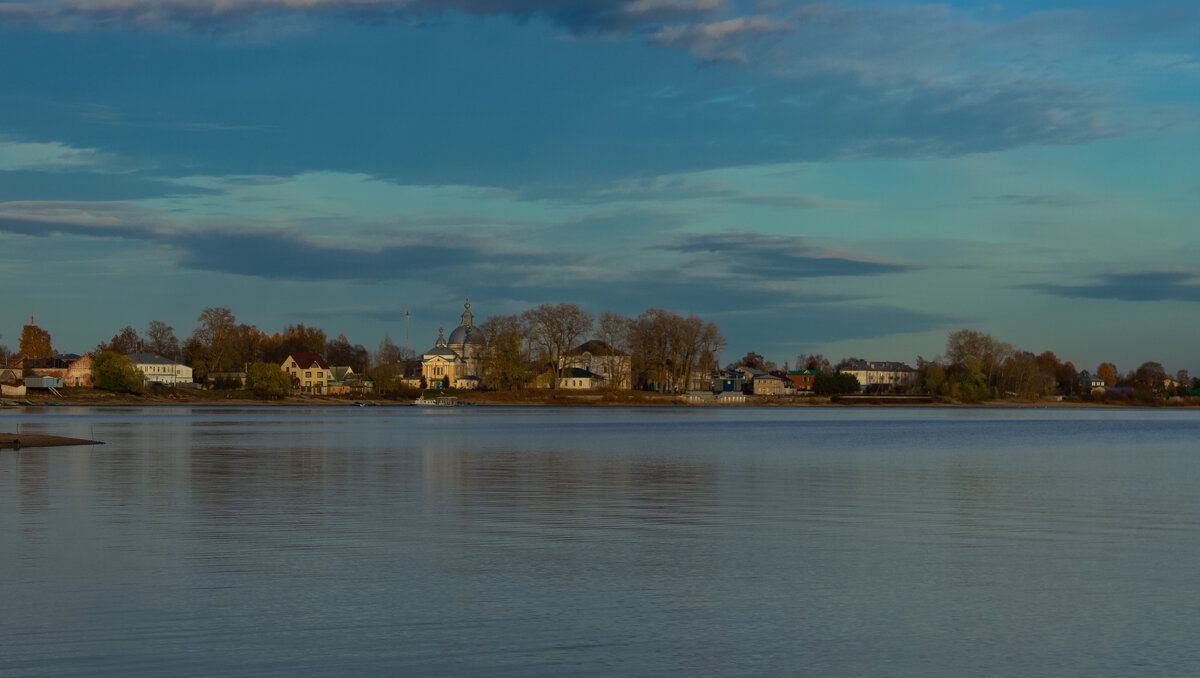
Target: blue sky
(844, 178)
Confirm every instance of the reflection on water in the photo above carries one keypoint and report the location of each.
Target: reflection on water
(601, 542)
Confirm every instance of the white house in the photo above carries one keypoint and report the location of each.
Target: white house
(879, 375)
(159, 370)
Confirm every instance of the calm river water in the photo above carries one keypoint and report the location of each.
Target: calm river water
(602, 542)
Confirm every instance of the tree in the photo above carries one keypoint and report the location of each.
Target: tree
(752, 360)
(613, 330)
(35, 343)
(813, 361)
(556, 329)
(968, 381)
(245, 346)
(990, 354)
(1108, 373)
(505, 353)
(161, 340)
(267, 380)
(385, 368)
(112, 371)
(669, 348)
(1022, 374)
(210, 347)
(828, 383)
(1068, 378)
(1149, 376)
(124, 342)
(340, 352)
(1048, 362)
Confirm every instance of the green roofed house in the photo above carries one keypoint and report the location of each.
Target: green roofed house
(802, 380)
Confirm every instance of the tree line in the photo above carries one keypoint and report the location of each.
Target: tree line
(978, 367)
(664, 349)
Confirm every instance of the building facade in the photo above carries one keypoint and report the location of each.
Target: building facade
(455, 361)
(880, 375)
(608, 367)
(309, 371)
(159, 370)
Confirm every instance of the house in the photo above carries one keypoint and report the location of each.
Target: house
(579, 378)
(613, 367)
(728, 382)
(43, 382)
(70, 368)
(1088, 381)
(309, 371)
(345, 381)
(802, 380)
(159, 370)
(876, 376)
(228, 378)
(468, 383)
(767, 384)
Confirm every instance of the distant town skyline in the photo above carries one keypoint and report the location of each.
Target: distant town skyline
(844, 178)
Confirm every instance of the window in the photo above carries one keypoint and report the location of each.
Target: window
(308, 374)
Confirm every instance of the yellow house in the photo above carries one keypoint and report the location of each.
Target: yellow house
(309, 371)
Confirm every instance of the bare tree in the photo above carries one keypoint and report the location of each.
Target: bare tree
(504, 353)
(341, 352)
(556, 329)
(124, 342)
(613, 330)
(813, 361)
(669, 348)
(160, 339)
(386, 367)
(209, 347)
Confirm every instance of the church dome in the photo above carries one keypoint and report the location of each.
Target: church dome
(466, 333)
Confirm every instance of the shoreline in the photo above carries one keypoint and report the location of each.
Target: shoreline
(178, 398)
(18, 441)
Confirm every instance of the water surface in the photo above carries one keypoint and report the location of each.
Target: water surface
(536, 542)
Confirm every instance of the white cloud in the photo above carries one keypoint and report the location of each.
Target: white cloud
(718, 41)
(46, 156)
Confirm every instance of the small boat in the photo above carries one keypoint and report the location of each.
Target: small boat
(439, 401)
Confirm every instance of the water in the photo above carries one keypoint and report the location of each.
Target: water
(672, 542)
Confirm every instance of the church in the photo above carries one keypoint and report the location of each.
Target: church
(456, 358)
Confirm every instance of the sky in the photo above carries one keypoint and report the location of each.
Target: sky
(845, 178)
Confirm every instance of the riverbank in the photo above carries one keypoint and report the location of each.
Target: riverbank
(164, 397)
(17, 441)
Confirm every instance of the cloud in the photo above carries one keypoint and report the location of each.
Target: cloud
(1029, 200)
(784, 201)
(720, 41)
(46, 156)
(91, 219)
(769, 257)
(579, 16)
(282, 254)
(1142, 286)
